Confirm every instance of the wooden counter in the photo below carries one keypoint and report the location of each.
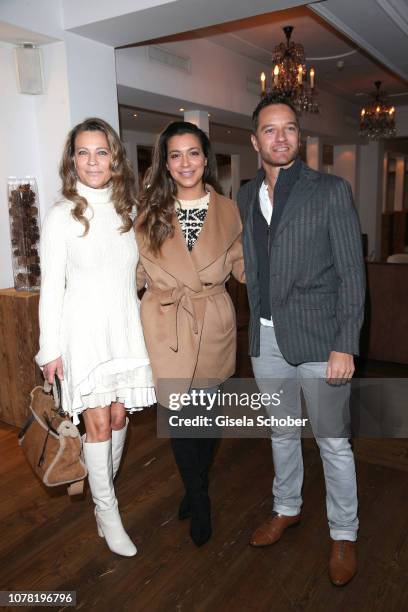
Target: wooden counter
(385, 331)
(19, 334)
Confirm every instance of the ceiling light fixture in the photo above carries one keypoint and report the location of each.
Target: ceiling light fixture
(181, 110)
(377, 119)
(290, 76)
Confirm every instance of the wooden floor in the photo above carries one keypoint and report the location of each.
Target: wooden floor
(49, 541)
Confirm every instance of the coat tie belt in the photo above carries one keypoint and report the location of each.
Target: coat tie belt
(178, 297)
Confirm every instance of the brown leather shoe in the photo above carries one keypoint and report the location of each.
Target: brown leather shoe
(272, 529)
(343, 562)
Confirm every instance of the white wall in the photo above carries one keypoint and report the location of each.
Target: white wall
(19, 153)
(314, 153)
(91, 80)
(401, 120)
(370, 194)
(53, 121)
(346, 165)
(218, 77)
(80, 80)
(337, 119)
(224, 180)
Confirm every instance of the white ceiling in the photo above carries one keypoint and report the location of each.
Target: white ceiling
(378, 26)
(256, 37)
(16, 36)
(123, 22)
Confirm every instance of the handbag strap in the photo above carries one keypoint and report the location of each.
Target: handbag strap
(56, 391)
(27, 424)
(57, 394)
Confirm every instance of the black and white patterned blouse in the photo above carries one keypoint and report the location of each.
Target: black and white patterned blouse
(191, 215)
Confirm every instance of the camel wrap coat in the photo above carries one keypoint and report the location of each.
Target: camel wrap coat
(187, 315)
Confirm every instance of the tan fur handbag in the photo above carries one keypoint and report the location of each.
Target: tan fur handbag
(51, 442)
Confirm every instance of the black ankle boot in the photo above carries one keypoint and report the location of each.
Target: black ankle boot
(184, 511)
(206, 450)
(196, 501)
(186, 454)
(200, 526)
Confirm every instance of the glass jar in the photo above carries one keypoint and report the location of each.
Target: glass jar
(24, 220)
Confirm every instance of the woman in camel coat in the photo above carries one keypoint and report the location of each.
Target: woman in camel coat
(189, 239)
(187, 314)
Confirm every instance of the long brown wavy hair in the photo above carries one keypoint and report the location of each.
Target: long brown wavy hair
(123, 179)
(156, 201)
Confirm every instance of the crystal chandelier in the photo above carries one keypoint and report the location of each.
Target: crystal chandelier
(290, 77)
(377, 119)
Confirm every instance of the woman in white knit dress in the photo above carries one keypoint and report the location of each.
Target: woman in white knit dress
(91, 335)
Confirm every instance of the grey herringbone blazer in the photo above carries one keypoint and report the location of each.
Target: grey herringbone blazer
(317, 280)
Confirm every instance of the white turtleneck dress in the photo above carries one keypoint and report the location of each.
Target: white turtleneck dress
(89, 309)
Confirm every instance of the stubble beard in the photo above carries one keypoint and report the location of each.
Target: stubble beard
(269, 160)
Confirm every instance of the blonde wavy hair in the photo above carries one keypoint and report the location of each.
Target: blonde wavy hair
(123, 179)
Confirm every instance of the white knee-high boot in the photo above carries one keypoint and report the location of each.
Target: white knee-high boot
(118, 443)
(98, 459)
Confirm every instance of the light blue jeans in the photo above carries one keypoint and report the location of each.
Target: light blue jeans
(327, 408)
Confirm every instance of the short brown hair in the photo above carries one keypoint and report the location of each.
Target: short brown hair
(268, 100)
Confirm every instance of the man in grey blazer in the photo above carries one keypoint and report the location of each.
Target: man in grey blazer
(306, 285)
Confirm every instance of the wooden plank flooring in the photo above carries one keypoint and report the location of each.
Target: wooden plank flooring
(49, 541)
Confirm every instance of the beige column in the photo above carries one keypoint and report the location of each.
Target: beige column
(314, 152)
(345, 164)
(235, 174)
(131, 151)
(199, 118)
(385, 183)
(399, 183)
(370, 194)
